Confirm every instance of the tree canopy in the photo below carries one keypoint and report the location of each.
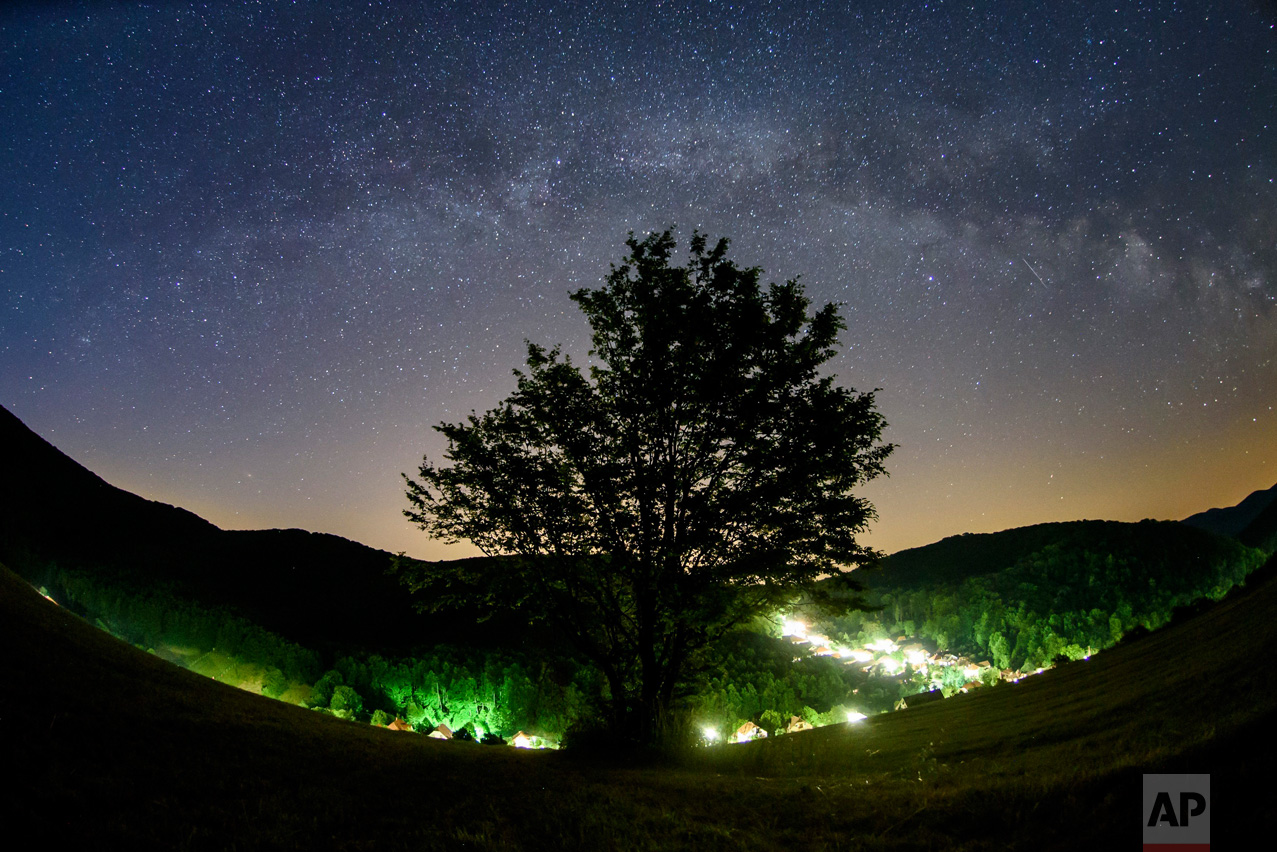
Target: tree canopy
(701, 472)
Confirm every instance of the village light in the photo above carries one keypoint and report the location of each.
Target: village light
(885, 646)
(855, 716)
(710, 733)
(794, 628)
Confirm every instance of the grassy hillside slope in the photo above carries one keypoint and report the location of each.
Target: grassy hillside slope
(117, 749)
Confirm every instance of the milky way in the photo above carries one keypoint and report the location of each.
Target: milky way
(249, 253)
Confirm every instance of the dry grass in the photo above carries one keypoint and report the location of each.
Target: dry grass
(116, 749)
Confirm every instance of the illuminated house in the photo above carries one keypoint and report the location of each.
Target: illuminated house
(399, 725)
(521, 740)
(442, 732)
(915, 654)
(796, 724)
(749, 731)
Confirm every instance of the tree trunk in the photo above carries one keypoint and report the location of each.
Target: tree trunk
(650, 717)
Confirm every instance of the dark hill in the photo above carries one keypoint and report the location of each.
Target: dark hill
(957, 558)
(1262, 531)
(1232, 520)
(314, 588)
(953, 559)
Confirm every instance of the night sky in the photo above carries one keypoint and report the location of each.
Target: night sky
(251, 252)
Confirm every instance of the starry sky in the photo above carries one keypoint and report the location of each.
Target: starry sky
(251, 252)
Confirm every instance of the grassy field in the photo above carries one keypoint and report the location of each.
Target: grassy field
(113, 748)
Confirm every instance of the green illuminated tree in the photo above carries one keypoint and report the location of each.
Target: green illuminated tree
(322, 692)
(772, 722)
(701, 472)
(346, 703)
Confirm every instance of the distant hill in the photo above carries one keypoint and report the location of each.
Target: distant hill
(957, 558)
(1233, 520)
(1262, 531)
(314, 588)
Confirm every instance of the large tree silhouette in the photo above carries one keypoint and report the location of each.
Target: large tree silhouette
(702, 472)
